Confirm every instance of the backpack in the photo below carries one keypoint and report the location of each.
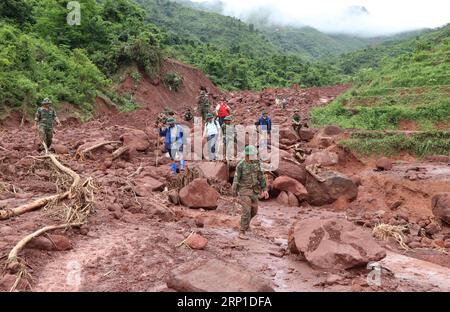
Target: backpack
(223, 111)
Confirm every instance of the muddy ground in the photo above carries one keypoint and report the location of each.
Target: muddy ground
(129, 244)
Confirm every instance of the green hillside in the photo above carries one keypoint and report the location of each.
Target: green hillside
(233, 54)
(412, 87)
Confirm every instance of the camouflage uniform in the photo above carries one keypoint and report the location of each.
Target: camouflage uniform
(296, 122)
(188, 116)
(203, 104)
(248, 182)
(45, 119)
(162, 118)
(229, 134)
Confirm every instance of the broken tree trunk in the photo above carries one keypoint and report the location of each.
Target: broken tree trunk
(82, 153)
(13, 257)
(9, 213)
(119, 152)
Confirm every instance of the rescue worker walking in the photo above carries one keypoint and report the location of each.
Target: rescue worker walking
(296, 122)
(222, 110)
(174, 142)
(264, 125)
(211, 133)
(229, 136)
(249, 182)
(188, 115)
(44, 121)
(204, 105)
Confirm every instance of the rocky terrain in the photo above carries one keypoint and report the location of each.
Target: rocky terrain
(330, 214)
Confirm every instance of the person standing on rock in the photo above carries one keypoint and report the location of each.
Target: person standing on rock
(188, 115)
(174, 142)
(265, 127)
(297, 122)
(222, 110)
(44, 120)
(211, 133)
(229, 135)
(204, 105)
(249, 183)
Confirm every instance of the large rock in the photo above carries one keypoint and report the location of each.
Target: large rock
(323, 158)
(293, 200)
(52, 242)
(384, 164)
(216, 276)
(335, 244)
(292, 170)
(196, 241)
(332, 130)
(215, 170)
(307, 134)
(147, 185)
(334, 186)
(136, 140)
(291, 185)
(440, 204)
(283, 199)
(198, 194)
(288, 134)
(60, 149)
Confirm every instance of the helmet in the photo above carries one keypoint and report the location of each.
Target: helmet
(171, 120)
(46, 101)
(250, 150)
(228, 118)
(209, 115)
(264, 113)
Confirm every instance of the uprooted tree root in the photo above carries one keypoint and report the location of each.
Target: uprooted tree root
(81, 154)
(37, 204)
(385, 231)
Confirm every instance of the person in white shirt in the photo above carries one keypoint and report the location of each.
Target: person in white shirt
(211, 133)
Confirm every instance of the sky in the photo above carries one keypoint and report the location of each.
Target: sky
(333, 16)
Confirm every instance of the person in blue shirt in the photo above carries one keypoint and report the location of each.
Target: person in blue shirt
(174, 142)
(265, 127)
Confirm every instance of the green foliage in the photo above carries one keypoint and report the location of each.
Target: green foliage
(419, 144)
(173, 81)
(32, 69)
(413, 86)
(136, 76)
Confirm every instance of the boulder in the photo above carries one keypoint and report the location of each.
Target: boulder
(136, 140)
(51, 242)
(288, 134)
(283, 199)
(384, 164)
(291, 185)
(307, 134)
(146, 185)
(292, 170)
(216, 276)
(440, 204)
(214, 170)
(323, 158)
(332, 130)
(335, 244)
(293, 200)
(196, 241)
(60, 149)
(199, 194)
(334, 186)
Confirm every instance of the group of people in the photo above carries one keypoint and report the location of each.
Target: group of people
(249, 183)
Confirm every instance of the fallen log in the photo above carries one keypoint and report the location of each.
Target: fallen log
(80, 154)
(119, 152)
(13, 261)
(9, 213)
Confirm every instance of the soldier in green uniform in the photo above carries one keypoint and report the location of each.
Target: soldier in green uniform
(249, 182)
(229, 135)
(188, 115)
(204, 104)
(44, 120)
(161, 120)
(296, 121)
